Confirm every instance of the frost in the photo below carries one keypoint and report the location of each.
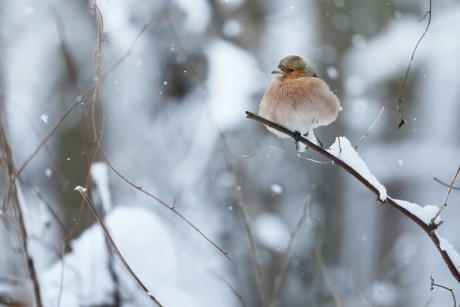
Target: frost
(343, 150)
(424, 213)
(449, 249)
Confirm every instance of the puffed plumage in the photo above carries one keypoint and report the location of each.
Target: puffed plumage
(298, 100)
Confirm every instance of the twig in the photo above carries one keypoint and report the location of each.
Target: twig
(297, 155)
(261, 282)
(389, 201)
(370, 128)
(433, 284)
(12, 196)
(444, 203)
(322, 265)
(445, 184)
(81, 96)
(281, 275)
(237, 295)
(112, 243)
(403, 120)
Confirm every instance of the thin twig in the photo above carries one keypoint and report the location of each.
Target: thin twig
(389, 201)
(112, 243)
(322, 265)
(229, 163)
(97, 133)
(12, 196)
(444, 203)
(433, 284)
(237, 295)
(281, 275)
(445, 184)
(370, 128)
(403, 120)
(79, 99)
(297, 155)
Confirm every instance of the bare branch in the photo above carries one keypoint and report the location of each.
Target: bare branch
(433, 284)
(403, 120)
(97, 132)
(444, 203)
(229, 163)
(12, 196)
(112, 243)
(281, 275)
(322, 265)
(237, 295)
(370, 128)
(445, 184)
(389, 201)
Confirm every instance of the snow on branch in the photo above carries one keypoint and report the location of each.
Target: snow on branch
(341, 153)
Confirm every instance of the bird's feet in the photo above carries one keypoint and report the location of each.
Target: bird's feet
(297, 136)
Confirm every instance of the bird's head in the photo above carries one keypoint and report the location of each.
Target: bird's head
(294, 66)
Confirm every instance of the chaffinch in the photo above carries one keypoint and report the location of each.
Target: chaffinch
(298, 100)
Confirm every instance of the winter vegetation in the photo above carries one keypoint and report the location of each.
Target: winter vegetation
(134, 170)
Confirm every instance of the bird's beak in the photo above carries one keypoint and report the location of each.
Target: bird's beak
(278, 71)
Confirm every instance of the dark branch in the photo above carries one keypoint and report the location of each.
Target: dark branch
(427, 228)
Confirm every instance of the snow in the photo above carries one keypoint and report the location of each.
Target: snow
(197, 14)
(44, 118)
(271, 232)
(343, 150)
(80, 189)
(424, 213)
(100, 176)
(449, 249)
(276, 189)
(231, 82)
(142, 239)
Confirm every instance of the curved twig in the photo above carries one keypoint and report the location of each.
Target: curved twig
(403, 120)
(429, 229)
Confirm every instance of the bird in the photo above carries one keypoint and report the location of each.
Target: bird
(298, 100)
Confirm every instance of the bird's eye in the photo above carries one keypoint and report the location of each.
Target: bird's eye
(290, 70)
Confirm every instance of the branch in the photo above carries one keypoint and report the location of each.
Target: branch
(433, 284)
(13, 197)
(112, 244)
(403, 120)
(427, 228)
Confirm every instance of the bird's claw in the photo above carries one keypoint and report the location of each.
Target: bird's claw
(297, 136)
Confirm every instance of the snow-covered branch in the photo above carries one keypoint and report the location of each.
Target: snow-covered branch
(341, 153)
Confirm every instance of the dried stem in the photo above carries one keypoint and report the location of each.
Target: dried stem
(322, 265)
(389, 201)
(403, 120)
(112, 243)
(12, 196)
(229, 163)
(281, 275)
(444, 203)
(433, 284)
(446, 184)
(370, 128)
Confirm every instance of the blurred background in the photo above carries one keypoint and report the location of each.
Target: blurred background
(176, 80)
